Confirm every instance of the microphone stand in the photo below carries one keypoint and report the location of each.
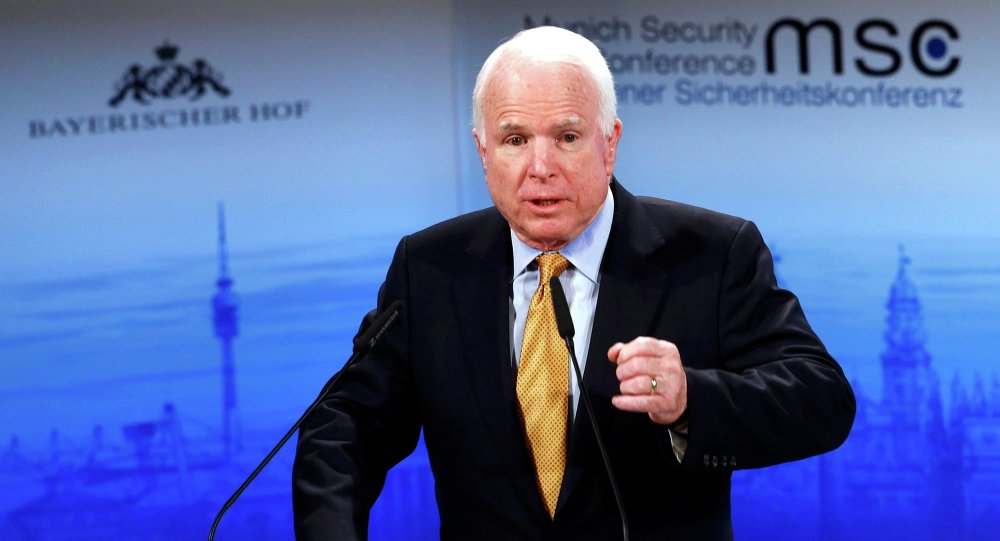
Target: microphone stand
(362, 345)
(565, 324)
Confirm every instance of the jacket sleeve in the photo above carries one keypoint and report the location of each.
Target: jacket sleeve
(777, 394)
(365, 425)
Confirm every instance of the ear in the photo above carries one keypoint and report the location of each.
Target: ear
(480, 147)
(611, 148)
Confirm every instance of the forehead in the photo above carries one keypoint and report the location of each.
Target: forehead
(561, 90)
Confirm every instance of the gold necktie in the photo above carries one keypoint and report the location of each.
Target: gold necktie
(543, 384)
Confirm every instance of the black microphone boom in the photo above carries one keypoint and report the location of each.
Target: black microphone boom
(362, 345)
(564, 321)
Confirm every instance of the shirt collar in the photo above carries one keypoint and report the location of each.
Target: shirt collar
(585, 252)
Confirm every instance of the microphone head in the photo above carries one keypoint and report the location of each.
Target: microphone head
(563, 320)
(367, 340)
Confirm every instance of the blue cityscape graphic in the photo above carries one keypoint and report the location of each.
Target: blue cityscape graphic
(923, 460)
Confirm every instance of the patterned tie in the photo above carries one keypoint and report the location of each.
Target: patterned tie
(543, 384)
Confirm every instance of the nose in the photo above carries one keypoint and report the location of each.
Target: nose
(541, 165)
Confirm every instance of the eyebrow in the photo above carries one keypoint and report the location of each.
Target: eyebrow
(573, 120)
(510, 126)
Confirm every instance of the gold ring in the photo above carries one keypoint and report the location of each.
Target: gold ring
(652, 385)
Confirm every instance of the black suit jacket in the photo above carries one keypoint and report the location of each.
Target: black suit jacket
(761, 387)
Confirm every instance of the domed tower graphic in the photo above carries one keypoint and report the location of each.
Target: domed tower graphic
(908, 380)
(225, 307)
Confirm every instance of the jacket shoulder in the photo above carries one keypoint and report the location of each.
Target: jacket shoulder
(456, 236)
(676, 220)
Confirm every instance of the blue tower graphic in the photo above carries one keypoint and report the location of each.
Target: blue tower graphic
(910, 385)
(225, 306)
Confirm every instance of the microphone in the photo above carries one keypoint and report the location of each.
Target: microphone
(564, 322)
(363, 343)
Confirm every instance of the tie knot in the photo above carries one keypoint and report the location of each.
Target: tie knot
(549, 265)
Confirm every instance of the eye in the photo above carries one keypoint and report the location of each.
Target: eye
(515, 140)
(570, 137)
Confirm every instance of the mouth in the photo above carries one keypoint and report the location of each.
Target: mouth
(544, 202)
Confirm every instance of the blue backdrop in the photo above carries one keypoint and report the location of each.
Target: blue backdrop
(200, 200)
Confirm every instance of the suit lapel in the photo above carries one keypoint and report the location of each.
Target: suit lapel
(481, 297)
(632, 291)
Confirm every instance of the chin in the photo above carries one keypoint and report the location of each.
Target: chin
(548, 243)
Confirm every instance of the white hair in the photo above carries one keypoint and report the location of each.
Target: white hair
(552, 44)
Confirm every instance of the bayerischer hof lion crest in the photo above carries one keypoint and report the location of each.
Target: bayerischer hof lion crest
(168, 79)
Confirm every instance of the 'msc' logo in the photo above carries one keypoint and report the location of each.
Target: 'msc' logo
(168, 79)
(928, 46)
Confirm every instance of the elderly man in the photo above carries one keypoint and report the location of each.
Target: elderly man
(696, 362)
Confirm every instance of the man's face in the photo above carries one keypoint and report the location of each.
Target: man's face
(547, 162)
